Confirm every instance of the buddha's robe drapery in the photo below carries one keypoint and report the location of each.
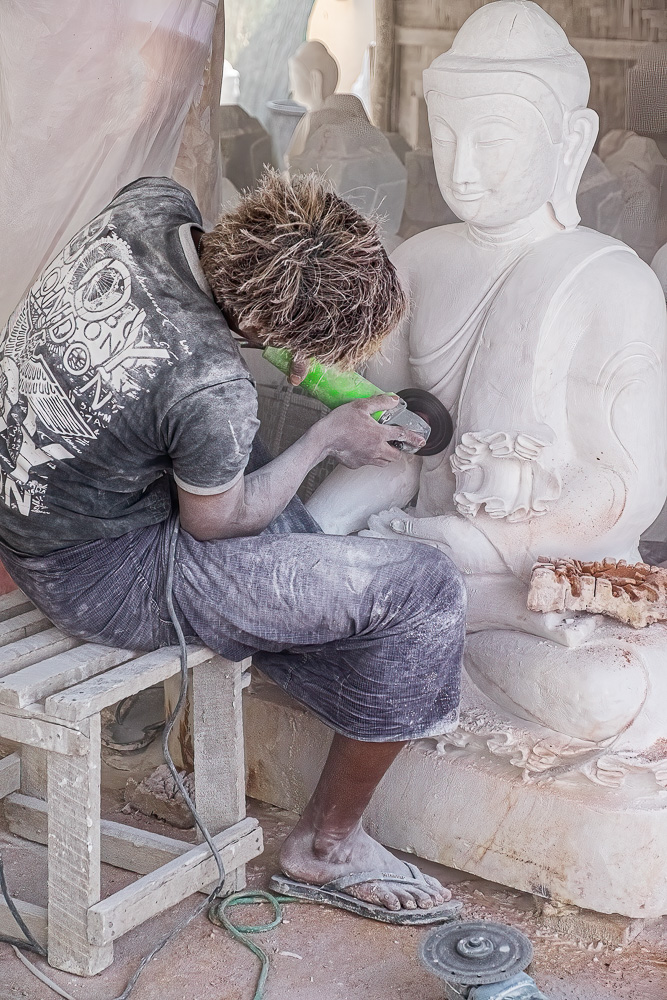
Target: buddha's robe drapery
(549, 353)
(512, 435)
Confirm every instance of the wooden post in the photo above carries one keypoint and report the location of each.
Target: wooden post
(73, 784)
(218, 746)
(383, 77)
(33, 771)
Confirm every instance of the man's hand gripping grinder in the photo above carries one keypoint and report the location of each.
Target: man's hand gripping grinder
(417, 409)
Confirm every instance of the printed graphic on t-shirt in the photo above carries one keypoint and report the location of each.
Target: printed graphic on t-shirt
(76, 349)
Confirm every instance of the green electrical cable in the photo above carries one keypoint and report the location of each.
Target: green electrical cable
(217, 915)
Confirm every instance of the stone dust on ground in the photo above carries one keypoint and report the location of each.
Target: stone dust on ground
(318, 953)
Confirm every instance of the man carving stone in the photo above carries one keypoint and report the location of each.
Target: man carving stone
(127, 424)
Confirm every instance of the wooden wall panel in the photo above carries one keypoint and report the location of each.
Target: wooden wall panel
(610, 34)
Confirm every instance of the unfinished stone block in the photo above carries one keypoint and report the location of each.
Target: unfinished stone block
(570, 921)
(635, 594)
(158, 795)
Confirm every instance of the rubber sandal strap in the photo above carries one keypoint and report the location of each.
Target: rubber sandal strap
(417, 875)
(358, 878)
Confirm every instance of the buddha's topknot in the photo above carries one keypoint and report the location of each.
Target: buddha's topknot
(299, 264)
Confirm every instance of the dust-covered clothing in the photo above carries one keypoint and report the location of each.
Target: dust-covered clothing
(118, 370)
(367, 632)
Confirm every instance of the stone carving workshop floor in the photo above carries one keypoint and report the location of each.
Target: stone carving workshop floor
(321, 953)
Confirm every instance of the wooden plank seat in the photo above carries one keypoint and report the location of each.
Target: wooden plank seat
(52, 691)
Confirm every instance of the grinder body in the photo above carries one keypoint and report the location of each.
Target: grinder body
(334, 387)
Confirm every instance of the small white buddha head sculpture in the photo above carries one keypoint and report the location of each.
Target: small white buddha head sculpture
(507, 112)
(313, 75)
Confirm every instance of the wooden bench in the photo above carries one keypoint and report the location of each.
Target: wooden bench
(52, 690)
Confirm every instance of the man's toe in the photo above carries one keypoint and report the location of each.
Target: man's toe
(390, 900)
(424, 899)
(440, 891)
(406, 898)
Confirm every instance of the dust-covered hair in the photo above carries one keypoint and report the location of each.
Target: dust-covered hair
(299, 264)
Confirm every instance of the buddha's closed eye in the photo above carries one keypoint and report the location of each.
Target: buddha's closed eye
(494, 134)
(495, 142)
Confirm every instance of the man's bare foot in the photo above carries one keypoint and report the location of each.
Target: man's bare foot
(318, 858)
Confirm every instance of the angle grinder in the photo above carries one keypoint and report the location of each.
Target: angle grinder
(417, 410)
(481, 960)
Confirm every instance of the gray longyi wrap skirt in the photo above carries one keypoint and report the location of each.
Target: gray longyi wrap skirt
(368, 633)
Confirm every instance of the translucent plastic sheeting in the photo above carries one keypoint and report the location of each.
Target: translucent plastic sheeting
(92, 96)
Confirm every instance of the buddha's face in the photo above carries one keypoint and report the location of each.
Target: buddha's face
(495, 160)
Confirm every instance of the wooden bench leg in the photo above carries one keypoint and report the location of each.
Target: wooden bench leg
(73, 802)
(218, 749)
(33, 772)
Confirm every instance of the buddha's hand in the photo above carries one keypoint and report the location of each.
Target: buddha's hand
(455, 536)
(394, 522)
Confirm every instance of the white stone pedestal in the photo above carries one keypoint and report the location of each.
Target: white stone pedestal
(557, 833)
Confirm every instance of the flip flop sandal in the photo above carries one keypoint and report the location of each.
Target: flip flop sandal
(333, 894)
(135, 723)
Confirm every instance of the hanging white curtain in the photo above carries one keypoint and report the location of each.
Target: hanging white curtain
(92, 96)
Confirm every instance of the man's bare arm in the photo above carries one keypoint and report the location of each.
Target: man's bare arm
(349, 433)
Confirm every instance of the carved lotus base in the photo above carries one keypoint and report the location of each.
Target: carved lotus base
(512, 803)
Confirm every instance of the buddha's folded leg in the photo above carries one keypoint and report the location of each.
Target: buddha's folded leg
(592, 692)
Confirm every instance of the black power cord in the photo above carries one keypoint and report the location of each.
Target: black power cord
(217, 892)
(30, 943)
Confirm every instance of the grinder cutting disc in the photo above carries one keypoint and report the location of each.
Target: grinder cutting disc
(429, 408)
(476, 953)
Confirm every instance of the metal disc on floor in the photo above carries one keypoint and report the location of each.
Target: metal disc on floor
(476, 953)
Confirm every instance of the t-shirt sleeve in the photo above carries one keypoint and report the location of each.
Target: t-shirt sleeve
(209, 435)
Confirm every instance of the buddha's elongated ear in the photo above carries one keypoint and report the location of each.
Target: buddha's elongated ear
(580, 130)
(317, 82)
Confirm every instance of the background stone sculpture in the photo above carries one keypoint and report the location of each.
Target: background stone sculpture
(230, 91)
(313, 76)
(336, 138)
(358, 159)
(245, 146)
(600, 199)
(641, 171)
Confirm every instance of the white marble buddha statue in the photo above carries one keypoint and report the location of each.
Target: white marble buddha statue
(546, 341)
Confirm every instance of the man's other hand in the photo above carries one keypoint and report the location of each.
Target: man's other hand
(354, 438)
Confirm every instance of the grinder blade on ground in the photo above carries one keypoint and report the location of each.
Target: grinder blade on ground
(476, 952)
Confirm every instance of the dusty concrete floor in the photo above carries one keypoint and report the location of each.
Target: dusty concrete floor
(320, 953)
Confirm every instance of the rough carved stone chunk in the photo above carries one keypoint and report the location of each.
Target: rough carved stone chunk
(633, 594)
(157, 795)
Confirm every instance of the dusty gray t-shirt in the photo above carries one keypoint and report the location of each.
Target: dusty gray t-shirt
(118, 370)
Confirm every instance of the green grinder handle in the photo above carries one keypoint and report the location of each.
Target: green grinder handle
(331, 386)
